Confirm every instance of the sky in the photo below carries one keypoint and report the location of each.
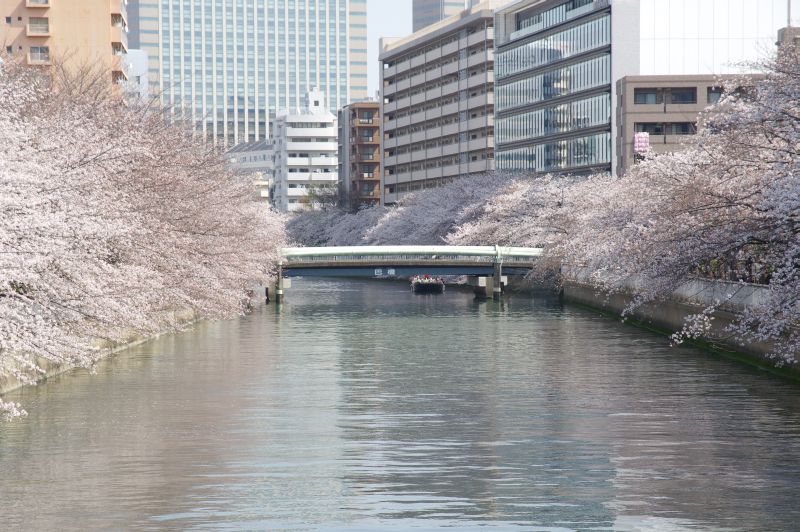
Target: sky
(385, 18)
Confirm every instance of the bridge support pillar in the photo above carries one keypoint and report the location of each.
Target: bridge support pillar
(280, 284)
(497, 281)
(481, 286)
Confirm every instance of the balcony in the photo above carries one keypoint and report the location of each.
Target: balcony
(119, 67)
(418, 136)
(433, 173)
(450, 48)
(451, 170)
(402, 66)
(433, 153)
(479, 166)
(451, 149)
(433, 55)
(418, 117)
(365, 194)
(404, 102)
(450, 129)
(480, 58)
(450, 68)
(37, 3)
(480, 79)
(117, 48)
(479, 144)
(418, 99)
(119, 38)
(450, 88)
(480, 36)
(433, 93)
(119, 76)
(433, 133)
(119, 7)
(418, 79)
(449, 109)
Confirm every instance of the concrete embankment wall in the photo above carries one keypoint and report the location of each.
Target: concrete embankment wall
(667, 316)
(105, 348)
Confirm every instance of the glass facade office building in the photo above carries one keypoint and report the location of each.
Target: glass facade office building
(553, 88)
(231, 65)
(558, 63)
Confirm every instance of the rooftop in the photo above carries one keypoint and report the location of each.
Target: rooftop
(483, 9)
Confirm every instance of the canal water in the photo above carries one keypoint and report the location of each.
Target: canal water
(359, 406)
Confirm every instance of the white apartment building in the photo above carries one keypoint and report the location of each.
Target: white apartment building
(558, 63)
(138, 84)
(437, 104)
(256, 161)
(306, 164)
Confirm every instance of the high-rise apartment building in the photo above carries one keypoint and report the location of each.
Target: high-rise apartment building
(230, 65)
(89, 32)
(437, 107)
(558, 61)
(359, 154)
(306, 167)
(427, 12)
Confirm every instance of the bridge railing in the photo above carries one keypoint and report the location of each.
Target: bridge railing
(368, 253)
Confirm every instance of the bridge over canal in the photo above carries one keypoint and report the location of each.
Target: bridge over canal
(487, 266)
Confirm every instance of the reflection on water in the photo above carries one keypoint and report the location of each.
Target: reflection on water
(358, 405)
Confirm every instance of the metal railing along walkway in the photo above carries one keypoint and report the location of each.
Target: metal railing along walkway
(444, 254)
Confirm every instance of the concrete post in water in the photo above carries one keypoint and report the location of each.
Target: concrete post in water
(481, 286)
(279, 284)
(497, 287)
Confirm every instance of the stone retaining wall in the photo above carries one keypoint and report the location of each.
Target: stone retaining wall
(668, 315)
(106, 348)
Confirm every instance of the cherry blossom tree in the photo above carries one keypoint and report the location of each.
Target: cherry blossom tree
(730, 196)
(423, 217)
(111, 219)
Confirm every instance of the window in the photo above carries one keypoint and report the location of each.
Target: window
(680, 128)
(683, 95)
(8, 20)
(646, 96)
(649, 127)
(40, 53)
(39, 25)
(714, 95)
(669, 128)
